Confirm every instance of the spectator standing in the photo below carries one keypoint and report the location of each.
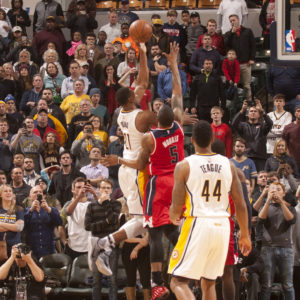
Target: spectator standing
(61, 184)
(277, 218)
(28, 143)
(266, 17)
(109, 59)
(126, 40)
(159, 37)
(194, 30)
(70, 105)
(45, 9)
(67, 87)
(11, 109)
(11, 121)
(221, 130)
(102, 219)
(40, 222)
(81, 148)
(11, 218)
(95, 172)
(42, 128)
(76, 210)
(30, 176)
(254, 131)
(280, 119)
(231, 68)
(20, 188)
(6, 155)
(125, 15)
(113, 28)
(49, 34)
(156, 64)
(296, 246)
(217, 39)
(30, 98)
(95, 53)
(79, 120)
(81, 19)
(241, 39)
(164, 84)
(228, 8)
(172, 28)
(98, 109)
(291, 134)
(285, 80)
(205, 52)
(18, 16)
(185, 17)
(244, 163)
(207, 91)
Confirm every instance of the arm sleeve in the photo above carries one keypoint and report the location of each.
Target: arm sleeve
(225, 69)
(252, 45)
(237, 71)
(237, 122)
(160, 87)
(228, 142)
(55, 217)
(193, 63)
(24, 100)
(199, 42)
(63, 91)
(267, 125)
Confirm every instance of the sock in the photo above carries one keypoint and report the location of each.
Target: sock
(157, 278)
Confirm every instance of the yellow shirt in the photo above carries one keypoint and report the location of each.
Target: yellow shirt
(99, 135)
(70, 106)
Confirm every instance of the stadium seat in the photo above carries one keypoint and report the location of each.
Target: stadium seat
(137, 4)
(57, 269)
(188, 4)
(159, 4)
(209, 3)
(107, 4)
(79, 284)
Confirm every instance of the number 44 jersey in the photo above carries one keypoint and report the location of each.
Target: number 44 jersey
(208, 186)
(168, 150)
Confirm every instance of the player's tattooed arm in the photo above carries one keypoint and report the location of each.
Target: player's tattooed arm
(181, 174)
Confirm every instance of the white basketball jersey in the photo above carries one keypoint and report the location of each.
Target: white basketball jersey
(208, 186)
(132, 137)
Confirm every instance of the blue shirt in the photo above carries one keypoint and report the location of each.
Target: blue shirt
(247, 166)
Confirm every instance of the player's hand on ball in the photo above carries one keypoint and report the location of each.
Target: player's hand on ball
(245, 245)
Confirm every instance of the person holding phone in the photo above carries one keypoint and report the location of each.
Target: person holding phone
(40, 220)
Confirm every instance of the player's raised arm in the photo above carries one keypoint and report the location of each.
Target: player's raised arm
(241, 212)
(176, 100)
(143, 74)
(181, 173)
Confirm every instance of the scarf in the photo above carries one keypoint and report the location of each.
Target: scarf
(71, 51)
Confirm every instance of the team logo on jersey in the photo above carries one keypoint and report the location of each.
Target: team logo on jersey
(175, 254)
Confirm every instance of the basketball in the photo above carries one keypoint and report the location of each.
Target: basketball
(140, 31)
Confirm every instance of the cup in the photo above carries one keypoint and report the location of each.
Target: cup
(28, 10)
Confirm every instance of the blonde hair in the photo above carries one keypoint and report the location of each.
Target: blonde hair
(275, 152)
(50, 51)
(12, 207)
(81, 46)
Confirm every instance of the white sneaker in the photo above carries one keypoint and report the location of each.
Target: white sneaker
(102, 263)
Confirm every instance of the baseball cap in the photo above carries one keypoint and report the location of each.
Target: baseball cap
(39, 180)
(9, 97)
(195, 14)
(43, 110)
(125, 2)
(16, 28)
(85, 63)
(157, 22)
(50, 18)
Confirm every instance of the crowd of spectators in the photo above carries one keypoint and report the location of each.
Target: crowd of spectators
(58, 114)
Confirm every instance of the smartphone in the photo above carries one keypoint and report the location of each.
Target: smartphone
(24, 126)
(87, 181)
(89, 130)
(39, 198)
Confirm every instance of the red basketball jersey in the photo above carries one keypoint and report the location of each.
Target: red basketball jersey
(168, 150)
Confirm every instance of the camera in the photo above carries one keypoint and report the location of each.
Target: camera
(87, 182)
(88, 130)
(24, 126)
(22, 248)
(269, 182)
(39, 198)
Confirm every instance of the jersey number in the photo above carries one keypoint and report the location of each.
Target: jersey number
(127, 141)
(216, 193)
(174, 154)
